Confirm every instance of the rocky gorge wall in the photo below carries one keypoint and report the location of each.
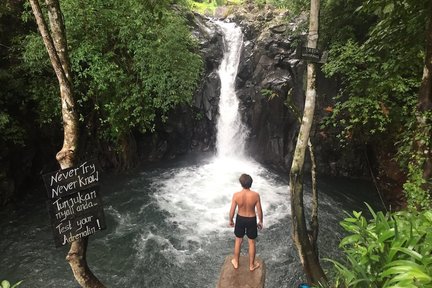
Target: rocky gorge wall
(269, 85)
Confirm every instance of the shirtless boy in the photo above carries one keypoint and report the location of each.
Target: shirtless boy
(249, 207)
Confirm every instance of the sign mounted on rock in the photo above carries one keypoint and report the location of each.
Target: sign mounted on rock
(74, 204)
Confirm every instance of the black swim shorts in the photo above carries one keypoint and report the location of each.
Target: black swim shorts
(246, 225)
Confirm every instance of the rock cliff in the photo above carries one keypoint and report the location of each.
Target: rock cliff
(269, 85)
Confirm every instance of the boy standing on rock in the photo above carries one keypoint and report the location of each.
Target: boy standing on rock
(249, 207)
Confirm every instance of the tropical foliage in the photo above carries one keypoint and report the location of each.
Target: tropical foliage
(379, 68)
(13, 105)
(296, 6)
(390, 250)
(132, 61)
(209, 7)
(377, 55)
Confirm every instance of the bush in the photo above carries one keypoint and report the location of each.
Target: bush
(390, 250)
(132, 62)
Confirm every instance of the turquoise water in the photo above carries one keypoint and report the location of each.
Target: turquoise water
(168, 227)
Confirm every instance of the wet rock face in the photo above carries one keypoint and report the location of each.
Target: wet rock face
(269, 82)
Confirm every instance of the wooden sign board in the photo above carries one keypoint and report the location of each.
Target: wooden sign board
(75, 206)
(67, 181)
(311, 54)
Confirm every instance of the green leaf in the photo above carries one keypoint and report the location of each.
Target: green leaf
(17, 284)
(404, 264)
(5, 284)
(357, 214)
(409, 252)
(388, 8)
(406, 271)
(350, 240)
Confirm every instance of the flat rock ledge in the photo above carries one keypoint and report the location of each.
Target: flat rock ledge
(241, 277)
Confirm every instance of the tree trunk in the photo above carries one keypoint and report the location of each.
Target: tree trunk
(77, 260)
(314, 214)
(57, 51)
(59, 35)
(425, 106)
(308, 257)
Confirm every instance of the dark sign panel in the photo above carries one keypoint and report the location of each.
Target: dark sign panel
(67, 181)
(311, 54)
(75, 206)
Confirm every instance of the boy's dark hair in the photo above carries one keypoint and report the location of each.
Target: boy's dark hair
(245, 181)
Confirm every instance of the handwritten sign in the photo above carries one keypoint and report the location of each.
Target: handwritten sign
(67, 181)
(74, 204)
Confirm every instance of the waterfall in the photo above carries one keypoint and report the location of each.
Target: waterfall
(231, 133)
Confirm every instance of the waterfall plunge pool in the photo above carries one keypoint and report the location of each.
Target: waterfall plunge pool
(168, 227)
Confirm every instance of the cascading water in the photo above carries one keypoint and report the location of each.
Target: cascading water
(231, 131)
(168, 225)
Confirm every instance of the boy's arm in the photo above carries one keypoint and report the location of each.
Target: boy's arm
(259, 212)
(232, 211)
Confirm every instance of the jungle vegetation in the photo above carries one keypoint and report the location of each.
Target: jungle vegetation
(124, 69)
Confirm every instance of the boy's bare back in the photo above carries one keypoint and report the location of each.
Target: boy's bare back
(246, 201)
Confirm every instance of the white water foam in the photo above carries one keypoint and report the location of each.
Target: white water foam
(166, 248)
(199, 198)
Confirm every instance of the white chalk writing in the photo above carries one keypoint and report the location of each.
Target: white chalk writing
(65, 181)
(81, 201)
(72, 237)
